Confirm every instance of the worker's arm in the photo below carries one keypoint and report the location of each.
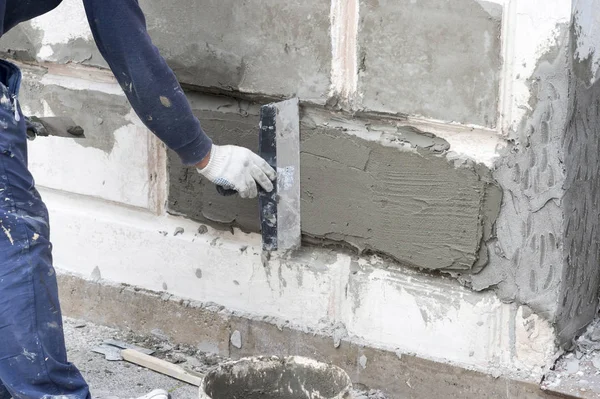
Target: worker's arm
(119, 28)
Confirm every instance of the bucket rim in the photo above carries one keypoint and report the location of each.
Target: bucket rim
(298, 360)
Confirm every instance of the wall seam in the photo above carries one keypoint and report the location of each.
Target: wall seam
(509, 17)
(344, 45)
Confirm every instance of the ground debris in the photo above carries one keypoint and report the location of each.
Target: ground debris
(371, 394)
(577, 373)
(126, 380)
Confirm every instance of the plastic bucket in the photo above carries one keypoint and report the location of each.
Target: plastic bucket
(276, 378)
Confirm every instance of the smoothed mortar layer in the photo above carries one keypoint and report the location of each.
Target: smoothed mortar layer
(398, 195)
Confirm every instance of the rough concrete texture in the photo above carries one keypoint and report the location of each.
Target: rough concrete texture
(412, 204)
(546, 253)
(206, 327)
(263, 47)
(439, 59)
(527, 261)
(581, 276)
(258, 46)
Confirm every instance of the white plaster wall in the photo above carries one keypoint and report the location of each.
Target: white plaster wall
(122, 175)
(66, 23)
(588, 34)
(405, 312)
(530, 31)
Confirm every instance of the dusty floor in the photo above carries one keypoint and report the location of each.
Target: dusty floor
(119, 379)
(578, 373)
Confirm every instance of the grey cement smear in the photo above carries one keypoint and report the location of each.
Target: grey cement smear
(439, 59)
(411, 204)
(100, 114)
(581, 276)
(24, 42)
(527, 259)
(259, 46)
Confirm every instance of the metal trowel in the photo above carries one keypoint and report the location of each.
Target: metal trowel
(53, 126)
(279, 145)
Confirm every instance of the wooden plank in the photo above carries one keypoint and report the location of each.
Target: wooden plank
(161, 366)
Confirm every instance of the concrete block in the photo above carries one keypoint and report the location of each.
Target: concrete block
(264, 47)
(258, 46)
(411, 204)
(437, 58)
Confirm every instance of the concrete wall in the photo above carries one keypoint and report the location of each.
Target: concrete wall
(582, 144)
(437, 135)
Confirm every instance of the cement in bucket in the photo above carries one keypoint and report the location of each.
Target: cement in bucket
(276, 378)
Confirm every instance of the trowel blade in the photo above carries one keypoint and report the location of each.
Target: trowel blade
(279, 145)
(60, 126)
(111, 353)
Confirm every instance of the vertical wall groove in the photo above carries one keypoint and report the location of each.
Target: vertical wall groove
(344, 33)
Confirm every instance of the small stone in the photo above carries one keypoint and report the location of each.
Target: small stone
(198, 273)
(80, 325)
(178, 231)
(178, 358)
(236, 339)
(75, 131)
(595, 335)
(202, 229)
(159, 334)
(363, 361)
(339, 333)
(572, 366)
(96, 275)
(166, 347)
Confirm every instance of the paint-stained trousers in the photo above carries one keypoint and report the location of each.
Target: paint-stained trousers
(33, 359)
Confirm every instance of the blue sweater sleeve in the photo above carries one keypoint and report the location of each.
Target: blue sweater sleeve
(119, 29)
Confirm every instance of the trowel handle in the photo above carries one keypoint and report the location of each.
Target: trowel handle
(226, 192)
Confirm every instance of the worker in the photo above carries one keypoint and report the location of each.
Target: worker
(33, 358)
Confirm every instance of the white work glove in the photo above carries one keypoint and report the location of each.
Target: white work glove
(238, 168)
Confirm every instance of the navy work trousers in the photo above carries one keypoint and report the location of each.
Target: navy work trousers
(33, 358)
